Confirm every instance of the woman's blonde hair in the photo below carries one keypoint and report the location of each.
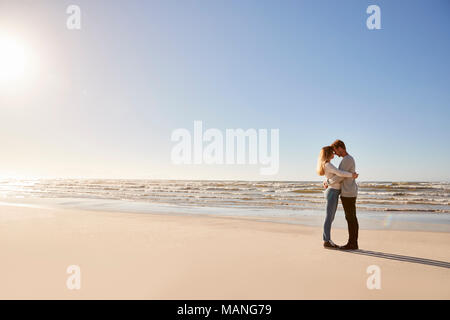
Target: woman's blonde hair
(325, 156)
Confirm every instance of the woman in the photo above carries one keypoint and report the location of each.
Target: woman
(324, 167)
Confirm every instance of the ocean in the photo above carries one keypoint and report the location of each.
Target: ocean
(283, 195)
(282, 201)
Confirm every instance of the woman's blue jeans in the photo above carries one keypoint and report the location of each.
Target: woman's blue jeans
(332, 196)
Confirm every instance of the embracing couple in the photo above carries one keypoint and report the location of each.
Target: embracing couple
(339, 181)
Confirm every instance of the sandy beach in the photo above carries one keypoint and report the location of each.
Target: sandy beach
(160, 256)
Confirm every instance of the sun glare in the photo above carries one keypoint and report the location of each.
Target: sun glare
(13, 59)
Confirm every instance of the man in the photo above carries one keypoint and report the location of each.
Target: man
(349, 191)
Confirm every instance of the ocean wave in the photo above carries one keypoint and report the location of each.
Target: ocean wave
(292, 195)
(307, 191)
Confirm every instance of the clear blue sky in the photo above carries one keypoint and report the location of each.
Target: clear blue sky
(109, 95)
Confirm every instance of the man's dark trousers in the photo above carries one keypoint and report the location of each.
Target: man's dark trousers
(349, 204)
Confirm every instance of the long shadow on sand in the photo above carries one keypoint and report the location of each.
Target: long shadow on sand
(398, 257)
